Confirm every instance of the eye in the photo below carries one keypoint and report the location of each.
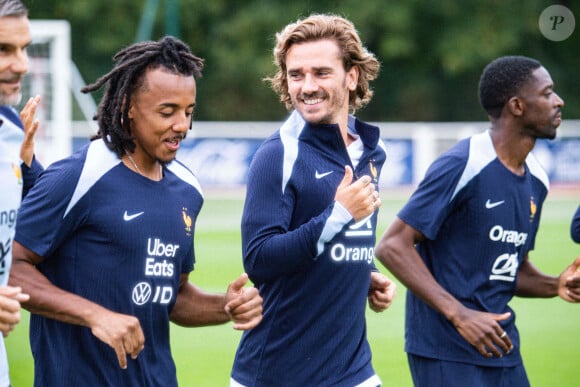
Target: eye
(166, 113)
(294, 75)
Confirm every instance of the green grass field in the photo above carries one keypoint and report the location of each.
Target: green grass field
(550, 329)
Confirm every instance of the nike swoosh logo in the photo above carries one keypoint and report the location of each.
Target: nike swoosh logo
(319, 175)
(489, 204)
(127, 217)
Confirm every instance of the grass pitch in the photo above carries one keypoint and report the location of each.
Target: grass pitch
(549, 328)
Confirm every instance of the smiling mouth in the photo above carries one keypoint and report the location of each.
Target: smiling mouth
(174, 141)
(312, 101)
(15, 81)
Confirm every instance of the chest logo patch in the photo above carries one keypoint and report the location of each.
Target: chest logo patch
(489, 204)
(127, 217)
(319, 175)
(141, 293)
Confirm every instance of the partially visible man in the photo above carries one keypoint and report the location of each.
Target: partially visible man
(18, 169)
(461, 243)
(575, 226)
(309, 220)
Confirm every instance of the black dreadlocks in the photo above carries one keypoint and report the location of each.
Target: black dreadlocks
(127, 76)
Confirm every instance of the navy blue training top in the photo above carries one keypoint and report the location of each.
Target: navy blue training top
(310, 261)
(480, 221)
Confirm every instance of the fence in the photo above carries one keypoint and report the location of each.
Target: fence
(220, 152)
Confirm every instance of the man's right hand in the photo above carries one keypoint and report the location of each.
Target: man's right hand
(360, 198)
(122, 332)
(482, 330)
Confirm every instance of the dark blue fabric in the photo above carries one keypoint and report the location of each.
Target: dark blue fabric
(313, 332)
(428, 372)
(480, 221)
(575, 226)
(120, 240)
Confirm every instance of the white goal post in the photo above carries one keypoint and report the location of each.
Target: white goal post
(50, 77)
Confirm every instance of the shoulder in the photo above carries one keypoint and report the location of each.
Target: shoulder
(453, 160)
(454, 169)
(184, 174)
(474, 154)
(537, 170)
(89, 163)
(76, 175)
(291, 128)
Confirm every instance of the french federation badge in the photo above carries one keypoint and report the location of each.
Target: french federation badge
(533, 208)
(186, 220)
(374, 171)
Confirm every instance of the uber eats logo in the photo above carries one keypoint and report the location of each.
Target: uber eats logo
(159, 263)
(156, 264)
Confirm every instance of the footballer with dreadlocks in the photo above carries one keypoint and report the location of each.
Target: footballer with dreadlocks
(104, 240)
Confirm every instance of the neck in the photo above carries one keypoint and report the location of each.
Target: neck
(511, 148)
(343, 126)
(155, 173)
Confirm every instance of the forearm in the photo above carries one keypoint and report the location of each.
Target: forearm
(271, 251)
(194, 307)
(533, 283)
(274, 243)
(406, 264)
(50, 301)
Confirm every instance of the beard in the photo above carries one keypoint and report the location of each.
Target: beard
(12, 99)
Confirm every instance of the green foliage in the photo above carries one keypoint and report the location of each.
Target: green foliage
(203, 356)
(432, 52)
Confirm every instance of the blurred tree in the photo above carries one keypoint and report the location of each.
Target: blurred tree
(432, 51)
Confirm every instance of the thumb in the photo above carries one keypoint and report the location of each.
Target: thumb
(239, 283)
(10, 291)
(347, 179)
(379, 280)
(22, 297)
(501, 317)
(576, 263)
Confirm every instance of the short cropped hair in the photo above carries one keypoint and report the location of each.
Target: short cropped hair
(12, 8)
(502, 79)
(326, 26)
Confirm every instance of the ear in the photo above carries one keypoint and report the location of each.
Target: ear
(352, 78)
(516, 106)
(130, 112)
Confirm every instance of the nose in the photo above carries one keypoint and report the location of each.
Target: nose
(182, 123)
(309, 85)
(559, 101)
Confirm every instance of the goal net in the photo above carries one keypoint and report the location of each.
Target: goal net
(50, 77)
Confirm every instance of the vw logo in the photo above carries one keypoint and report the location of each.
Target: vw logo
(141, 293)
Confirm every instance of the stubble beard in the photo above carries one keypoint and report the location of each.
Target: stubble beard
(10, 99)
